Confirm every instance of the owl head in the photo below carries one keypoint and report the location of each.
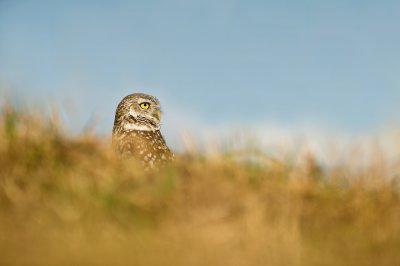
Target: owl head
(138, 111)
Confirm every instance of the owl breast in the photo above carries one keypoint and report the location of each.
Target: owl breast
(148, 147)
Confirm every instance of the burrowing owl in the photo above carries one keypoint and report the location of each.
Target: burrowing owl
(136, 131)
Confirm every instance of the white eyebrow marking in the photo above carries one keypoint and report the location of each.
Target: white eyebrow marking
(143, 100)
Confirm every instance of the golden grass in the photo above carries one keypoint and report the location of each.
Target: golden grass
(67, 200)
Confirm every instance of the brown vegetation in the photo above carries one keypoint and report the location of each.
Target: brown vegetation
(67, 200)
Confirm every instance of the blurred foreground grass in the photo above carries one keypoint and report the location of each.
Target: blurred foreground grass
(67, 200)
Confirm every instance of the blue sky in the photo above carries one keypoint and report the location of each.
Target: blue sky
(333, 64)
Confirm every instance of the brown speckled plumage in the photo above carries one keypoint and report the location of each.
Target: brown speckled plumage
(136, 132)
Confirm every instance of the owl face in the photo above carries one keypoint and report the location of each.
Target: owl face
(139, 112)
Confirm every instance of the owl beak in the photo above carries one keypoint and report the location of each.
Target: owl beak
(157, 115)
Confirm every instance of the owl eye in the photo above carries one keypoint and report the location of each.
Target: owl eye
(144, 105)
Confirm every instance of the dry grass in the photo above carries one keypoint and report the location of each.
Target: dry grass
(68, 201)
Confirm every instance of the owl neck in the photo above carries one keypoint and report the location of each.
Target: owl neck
(140, 127)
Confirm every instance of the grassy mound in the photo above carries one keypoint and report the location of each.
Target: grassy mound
(67, 200)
